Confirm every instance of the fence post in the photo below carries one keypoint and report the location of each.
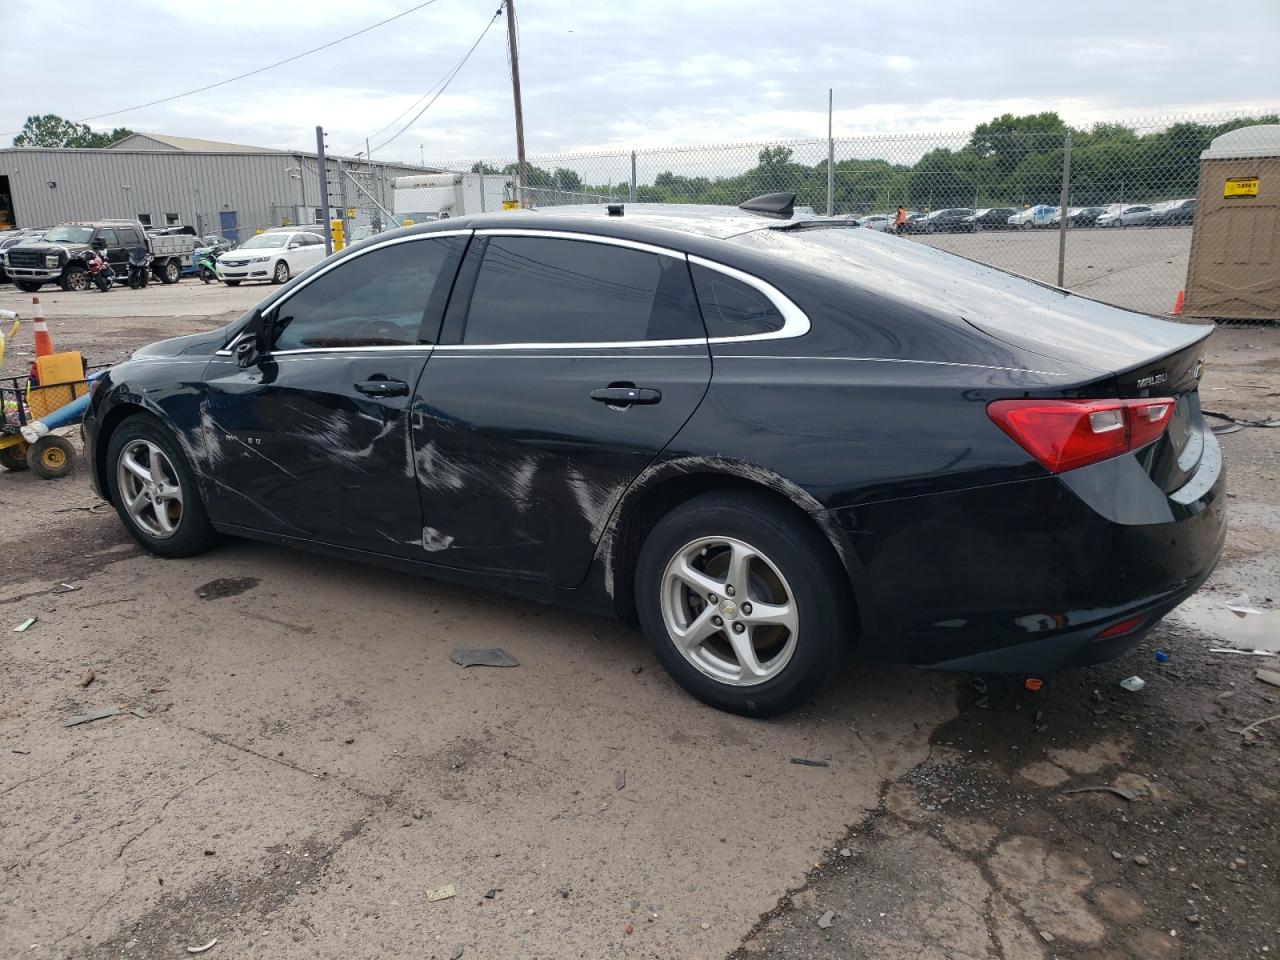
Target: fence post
(831, 158)
(1064, 212)
(632, 195)
(324, 190)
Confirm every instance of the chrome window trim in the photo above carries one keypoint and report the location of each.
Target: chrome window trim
(795, 322)
(282, 297)
(588, 237)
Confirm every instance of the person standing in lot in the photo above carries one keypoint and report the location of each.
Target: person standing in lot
(900, 221)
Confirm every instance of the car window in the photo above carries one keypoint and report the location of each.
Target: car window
(731, 308)
(376, 299)
(546, 290)
(128, 237)
(109, 235)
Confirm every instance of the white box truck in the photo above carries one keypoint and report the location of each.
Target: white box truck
(432, 196)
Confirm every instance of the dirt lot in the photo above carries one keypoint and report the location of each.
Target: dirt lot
(305, 764)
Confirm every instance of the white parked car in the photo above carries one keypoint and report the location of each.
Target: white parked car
(1133, 215)
(877, 221)
(1041, 215)
(274, 256)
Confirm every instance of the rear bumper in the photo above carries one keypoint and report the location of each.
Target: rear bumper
(1024, 576)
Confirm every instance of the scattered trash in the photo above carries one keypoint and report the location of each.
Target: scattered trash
(801, 761)
(824, 921)
(90, 717)
(24, 624)
(846, 852)
(1237, 622)
(1245, 653)
(21, 753)
(349, 741)
(88, 679)
(1161, 657)
(1142, 861)
(1033, 684)
(1133, 684)
(457, 951)
(620, 780)
(1232, 424)
(1257, 723)
(629, 929)
(139, 713)
(486, 657)
(1123, 792)
(64, 588)
(444, 893)
(1241, 606)
(491, 893)
(1268, 676)
(1046, 936)
(705, 926)
(202, 949)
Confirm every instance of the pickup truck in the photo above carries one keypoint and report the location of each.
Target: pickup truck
(60, 256)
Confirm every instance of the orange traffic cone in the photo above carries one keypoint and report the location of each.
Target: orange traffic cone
(1177, 305)
(44, 343)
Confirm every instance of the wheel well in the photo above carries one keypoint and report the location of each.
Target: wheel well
(110, 422)
(654, 504)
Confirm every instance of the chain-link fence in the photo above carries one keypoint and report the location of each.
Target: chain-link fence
(993, 195)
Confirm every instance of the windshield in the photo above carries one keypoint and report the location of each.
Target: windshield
(69, 234)
(265, 241)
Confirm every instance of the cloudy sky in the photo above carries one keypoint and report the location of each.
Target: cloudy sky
(648, 73)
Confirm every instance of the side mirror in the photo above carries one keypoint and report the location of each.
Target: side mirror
(247, 353)
(293, 246)
(99, 243)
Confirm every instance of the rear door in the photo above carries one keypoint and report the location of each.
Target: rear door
(572, 363)
(113, 251)
(313, 441)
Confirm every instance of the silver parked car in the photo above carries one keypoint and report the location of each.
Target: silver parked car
(1132, 215)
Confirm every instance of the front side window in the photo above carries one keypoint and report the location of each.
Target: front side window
(376, 299)
(550, 290)
(731, 308)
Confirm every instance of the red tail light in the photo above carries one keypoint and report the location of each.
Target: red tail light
(1065, 434)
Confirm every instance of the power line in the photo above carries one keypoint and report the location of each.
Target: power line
(270, 66)
(447, 79)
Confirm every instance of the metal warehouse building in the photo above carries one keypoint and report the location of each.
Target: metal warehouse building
(215, 187)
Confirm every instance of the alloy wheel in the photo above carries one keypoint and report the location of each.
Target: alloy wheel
(282, 272)
(150, 488)
(729, 611)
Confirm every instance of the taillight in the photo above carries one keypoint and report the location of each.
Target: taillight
(1065, 434)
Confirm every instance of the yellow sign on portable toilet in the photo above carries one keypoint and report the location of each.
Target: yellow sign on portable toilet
(407, 223)
(339, 240)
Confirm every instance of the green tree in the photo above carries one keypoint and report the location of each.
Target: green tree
(51, 130)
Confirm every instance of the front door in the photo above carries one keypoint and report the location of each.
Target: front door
(576, 362)
(313, 441)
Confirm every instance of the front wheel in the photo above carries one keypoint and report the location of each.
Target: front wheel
(76, 280)
(232, 283)
(154, 490)
(28, 286)
(743, 602)
(281, 274)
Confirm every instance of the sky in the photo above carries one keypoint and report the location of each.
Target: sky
(603, 76)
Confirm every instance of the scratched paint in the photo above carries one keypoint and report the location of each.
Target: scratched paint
(433, 541)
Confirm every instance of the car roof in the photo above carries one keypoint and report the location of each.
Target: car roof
(705, 220)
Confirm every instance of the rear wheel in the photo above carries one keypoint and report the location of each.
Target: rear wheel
(51, 457)
(154, 490)
(170, 272)
(743, 603)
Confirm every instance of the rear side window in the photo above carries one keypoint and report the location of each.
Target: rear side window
(128, 237)
(730, 308)
(549, 290)
(376, 299)
(109, 235)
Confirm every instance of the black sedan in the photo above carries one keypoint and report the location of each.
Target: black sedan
(948, 220)
(770, 442)
(992, 218)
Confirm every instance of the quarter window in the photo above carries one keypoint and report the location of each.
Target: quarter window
(549, 290)
(376, 299)
(731, 308)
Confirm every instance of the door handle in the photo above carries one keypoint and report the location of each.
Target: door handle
(624, 396)
(383, 388)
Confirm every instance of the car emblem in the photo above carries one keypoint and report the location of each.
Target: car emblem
(728, 609)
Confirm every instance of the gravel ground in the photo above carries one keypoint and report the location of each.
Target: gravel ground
(305, 764)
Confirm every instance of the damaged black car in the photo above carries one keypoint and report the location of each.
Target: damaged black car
(772, 442)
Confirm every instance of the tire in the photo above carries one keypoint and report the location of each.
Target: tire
(51, 457)
(28, 286)
(232, 283)
(281, 272)
(142, 438)
(170, 272)
(75, 279)
(794, 566)
(206, 276)
(14, 457)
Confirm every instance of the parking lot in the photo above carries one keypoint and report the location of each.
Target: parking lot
(298, 768)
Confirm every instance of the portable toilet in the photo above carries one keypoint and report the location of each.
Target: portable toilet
(1233, 272)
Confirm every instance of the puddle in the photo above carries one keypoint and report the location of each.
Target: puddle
(1258, 630)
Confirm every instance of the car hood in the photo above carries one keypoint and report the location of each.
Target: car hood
(43, 246)
(194, 344)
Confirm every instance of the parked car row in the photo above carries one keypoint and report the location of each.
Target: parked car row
(1040, 215)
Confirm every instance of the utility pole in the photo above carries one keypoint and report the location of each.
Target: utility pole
(831, 159)
(515, 87)
(324, 191)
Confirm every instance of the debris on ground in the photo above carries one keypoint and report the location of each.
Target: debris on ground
(825, 920)
(1241, 606)
(1161, 657)
(491, 893)
(1133, 684)
(484, 657)
(226, 587)
(1247, 731)
(620, 780)
(1247, 653)
(457, 951)
(801, 761)
(91, 716)
(88, 679)
(1268, 676)
(1047, 937)
(1123, 792)
(443, 893)
(64, 588)
(203, 947)
(629, 929)
(139, 713)
(24, 624)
